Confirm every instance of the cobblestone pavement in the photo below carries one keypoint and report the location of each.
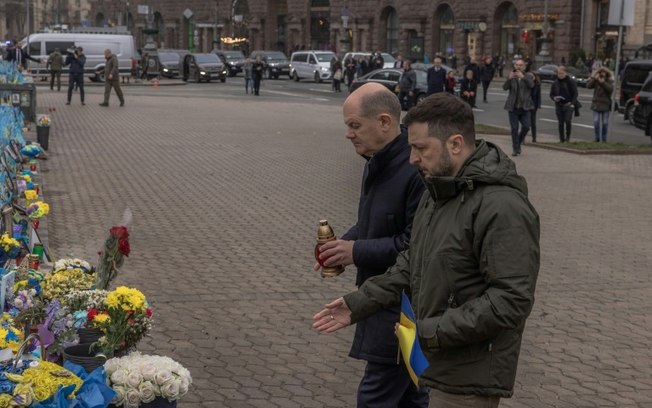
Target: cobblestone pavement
(226, 196)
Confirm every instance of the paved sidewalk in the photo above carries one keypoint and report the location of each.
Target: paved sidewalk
(226, 196)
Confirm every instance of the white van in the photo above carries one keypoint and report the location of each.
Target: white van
(41, 45)
(311, 64)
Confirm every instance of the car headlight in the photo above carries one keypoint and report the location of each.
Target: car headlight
(165, 70)
(202, 72)
(324, 69)
(223, 72)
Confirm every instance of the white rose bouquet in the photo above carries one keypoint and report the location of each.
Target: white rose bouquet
(139, 379)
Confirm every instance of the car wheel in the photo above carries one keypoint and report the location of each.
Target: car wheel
(295, 76)
(317, 77)
(629, 113)
(231, 72)
(223, 79)
(197, 79)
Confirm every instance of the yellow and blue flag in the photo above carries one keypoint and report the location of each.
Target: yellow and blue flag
(408, 341)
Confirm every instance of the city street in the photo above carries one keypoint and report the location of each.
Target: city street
(227, 189)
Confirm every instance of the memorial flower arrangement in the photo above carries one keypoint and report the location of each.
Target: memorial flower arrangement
(43, 121)
(10, 336)
(58, 285)
(38, 210)
(31, 195)
(124, 322)
(79, 302)
(140, 378)
(30, 150)
(9, 247)
(116, 247)
(57, 330)
(71, 263)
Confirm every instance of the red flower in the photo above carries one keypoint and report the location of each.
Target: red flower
(131, 321)
(122, 235)
(91, 314)
(149, 312)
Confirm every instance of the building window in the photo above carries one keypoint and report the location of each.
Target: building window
(507, 16)
(391, 25)
(446, 30)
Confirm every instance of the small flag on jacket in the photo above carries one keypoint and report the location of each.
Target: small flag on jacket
(408, 341)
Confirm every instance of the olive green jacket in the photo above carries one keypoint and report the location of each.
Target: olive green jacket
(471, 271)
(111, 67)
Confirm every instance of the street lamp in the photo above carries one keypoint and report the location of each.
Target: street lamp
(545, 47)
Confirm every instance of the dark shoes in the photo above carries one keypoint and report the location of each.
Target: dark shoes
(122, 104)
(67, 103)
(104, 104)
(83, 104)
(515, 154)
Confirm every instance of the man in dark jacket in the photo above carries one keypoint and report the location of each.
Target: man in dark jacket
(436, 78)
(76, 59)
(391, 190)
(407, 85)
(472, 265)
(519, 103)
(564, 92)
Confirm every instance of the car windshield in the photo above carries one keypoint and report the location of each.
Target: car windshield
(207, 58)
(233, 55)
(168, 57)
(275, 56)
(324, 56)
(388, 57)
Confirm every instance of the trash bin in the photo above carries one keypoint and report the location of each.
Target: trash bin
(43, 136)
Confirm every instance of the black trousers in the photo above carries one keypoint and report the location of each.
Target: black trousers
(485, 86)
(57, 75)
(389, 386)
(256, 84)
(76, 79)
(564, 112)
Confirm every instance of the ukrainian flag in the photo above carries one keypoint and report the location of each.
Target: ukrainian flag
(408, 341)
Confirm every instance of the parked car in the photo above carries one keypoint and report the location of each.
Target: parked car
(311, 65)
(169, 62)
(581, 76)
(634, 75)
(642, 113)
(391, 77)
(548, 73)
(276, 63)
(202, 67)
(234, 60)
(420, 66)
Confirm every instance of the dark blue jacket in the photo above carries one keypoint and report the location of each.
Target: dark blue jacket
(76, 64)
(436, 80)
(391, 190)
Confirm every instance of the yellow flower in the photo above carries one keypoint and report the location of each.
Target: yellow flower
(102, 318)
(27, 178)
(31, 195)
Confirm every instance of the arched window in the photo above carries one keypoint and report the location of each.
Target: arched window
(391, 26)
(100, 20)
(507, 19)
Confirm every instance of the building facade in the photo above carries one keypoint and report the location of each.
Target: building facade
(414, 28)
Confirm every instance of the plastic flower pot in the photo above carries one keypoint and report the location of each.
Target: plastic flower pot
(88, 336)
(43, 136)
(81, 355)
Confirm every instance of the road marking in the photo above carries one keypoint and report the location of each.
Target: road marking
(295, 95)
(320, 90)
(574, 124)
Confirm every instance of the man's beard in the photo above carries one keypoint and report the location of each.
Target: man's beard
(444, 167)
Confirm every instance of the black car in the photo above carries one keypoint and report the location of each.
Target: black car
(234, 60)
(642, 113)
(391, 77)
(632, 78)
(169, 62)
(202, 67)
(276, 63)
(547, 72)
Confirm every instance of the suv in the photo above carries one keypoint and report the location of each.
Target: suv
(633, 76)
(234, 60)
(202, 67)
(276, 63)
(169, 62)
(642, 115)
(311, 65)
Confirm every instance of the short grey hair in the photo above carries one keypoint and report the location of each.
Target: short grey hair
(379, 102)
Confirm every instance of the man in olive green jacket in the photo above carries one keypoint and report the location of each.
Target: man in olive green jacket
(472, 264)
(111, 78)
(54, 65)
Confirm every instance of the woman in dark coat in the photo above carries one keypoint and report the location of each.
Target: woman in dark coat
(469, 88)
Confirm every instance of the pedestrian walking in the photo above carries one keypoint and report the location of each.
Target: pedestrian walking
(258, 69)
(54, 64)
(337, 75)
(469, 89)
(536, 102)
(248, 69)
(487, 73)
(564, 93)
(436, 76)
(472, 265)
(519, 103)
(111, 78)
(76, 59)
(144, 66)
(391, 189)
(407, 86)
(472, 66)
(602, 83)
(350, 69)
